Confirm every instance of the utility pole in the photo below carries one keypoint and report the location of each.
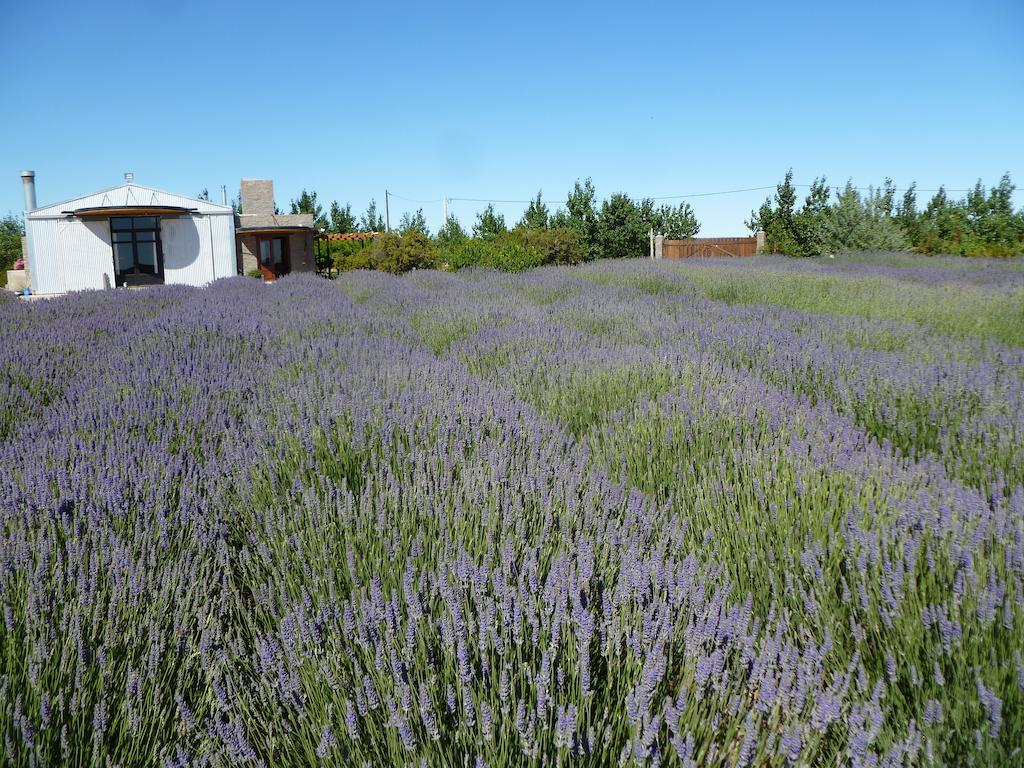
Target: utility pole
(387, 212)
(445, 211)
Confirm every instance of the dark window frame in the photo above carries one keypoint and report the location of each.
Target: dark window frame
(135, 276)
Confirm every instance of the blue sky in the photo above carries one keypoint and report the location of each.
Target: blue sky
(491, 100)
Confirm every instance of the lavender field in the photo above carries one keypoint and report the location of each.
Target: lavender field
(714, 514)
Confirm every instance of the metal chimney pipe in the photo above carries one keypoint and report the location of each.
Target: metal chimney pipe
(28, 180)
(224, 194)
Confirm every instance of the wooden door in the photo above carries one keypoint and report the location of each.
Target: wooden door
(273, 257)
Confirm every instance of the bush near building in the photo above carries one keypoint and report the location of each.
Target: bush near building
(11, 231)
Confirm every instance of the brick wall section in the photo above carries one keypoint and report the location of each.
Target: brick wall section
(247, 254)
(258, 196)
(300, 249)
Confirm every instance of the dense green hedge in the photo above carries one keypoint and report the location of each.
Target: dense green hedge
(983, 223)
(513, 251)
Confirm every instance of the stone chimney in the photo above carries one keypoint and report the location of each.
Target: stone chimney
(258, 196)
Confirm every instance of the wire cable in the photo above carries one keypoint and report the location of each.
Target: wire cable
(493, 200)
(683, 197)
(882, 189)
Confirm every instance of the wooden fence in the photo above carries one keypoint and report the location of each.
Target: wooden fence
(709, 247)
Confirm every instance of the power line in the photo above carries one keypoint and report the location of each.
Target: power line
(493, 200)
(673, 197)
(723, 192)
(894, 189)
(665, 197)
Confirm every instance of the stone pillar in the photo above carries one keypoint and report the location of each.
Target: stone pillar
(659, 246)
(760, 241)
(17, 280)
(25, 257)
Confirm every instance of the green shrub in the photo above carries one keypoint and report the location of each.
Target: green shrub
(557, 245)
(388, 252)
(514, 251)
(450, 234)
(506, 253)
(859, 222)
(396, 253)
(11, 231)
(360, 258)
(346, 254)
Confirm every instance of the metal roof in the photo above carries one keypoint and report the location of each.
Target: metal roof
(129, 195)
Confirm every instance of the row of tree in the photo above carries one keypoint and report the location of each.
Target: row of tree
(582, 230)
(983, 223)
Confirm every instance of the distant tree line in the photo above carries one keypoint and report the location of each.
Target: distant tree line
(583, 230)
(983, 223)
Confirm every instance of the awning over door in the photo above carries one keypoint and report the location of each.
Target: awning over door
(272, 230)
(102, 212)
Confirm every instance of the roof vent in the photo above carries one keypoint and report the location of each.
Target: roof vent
(129, 177)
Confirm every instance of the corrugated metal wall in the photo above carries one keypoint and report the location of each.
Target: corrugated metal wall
(71, 255)
(223, 231)
(198, 249)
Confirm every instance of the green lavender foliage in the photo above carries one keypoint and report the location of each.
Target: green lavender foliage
(675, 520)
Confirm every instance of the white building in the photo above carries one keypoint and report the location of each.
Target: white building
(127, 235)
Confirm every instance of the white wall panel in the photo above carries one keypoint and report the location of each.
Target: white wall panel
(70, 255)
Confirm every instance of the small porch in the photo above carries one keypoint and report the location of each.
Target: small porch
(271, 252)
(269, 244)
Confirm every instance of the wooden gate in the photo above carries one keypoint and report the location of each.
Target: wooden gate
(709, 247)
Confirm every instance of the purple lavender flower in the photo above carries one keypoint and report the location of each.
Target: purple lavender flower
(327, 743)
(993, 708)
(351, 721)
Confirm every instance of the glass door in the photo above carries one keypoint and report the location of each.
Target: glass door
(274, 262)
(138, 253)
